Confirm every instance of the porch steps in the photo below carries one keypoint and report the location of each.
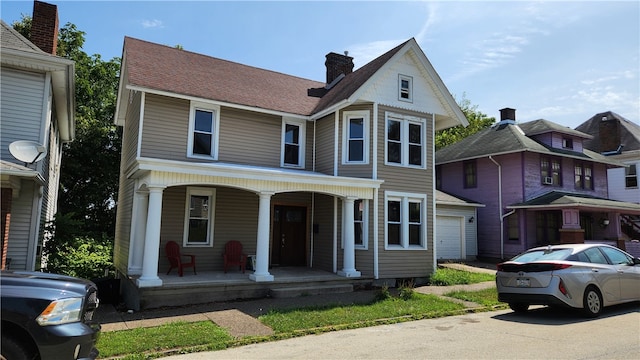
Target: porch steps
(290, 292)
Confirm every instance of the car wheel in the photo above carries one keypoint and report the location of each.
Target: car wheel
(519, 307)
(592, 302)
(12, 349)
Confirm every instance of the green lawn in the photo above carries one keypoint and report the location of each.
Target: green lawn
(447, 276)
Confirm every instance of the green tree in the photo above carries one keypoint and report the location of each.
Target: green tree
(477, 121)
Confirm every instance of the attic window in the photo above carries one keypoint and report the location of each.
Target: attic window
(567, 143)
(405, 88)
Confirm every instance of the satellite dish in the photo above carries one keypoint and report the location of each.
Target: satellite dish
(27, 151)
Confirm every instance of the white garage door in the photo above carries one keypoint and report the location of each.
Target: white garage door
(449, 237)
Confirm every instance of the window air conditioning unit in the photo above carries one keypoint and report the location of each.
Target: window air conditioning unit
(547, 180)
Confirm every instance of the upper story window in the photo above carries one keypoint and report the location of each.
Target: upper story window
(405, 137)
(583, 176)
(293, 143)
(551, 170)
(631, 176)
(199, 215)
(355, 146)
(567, 143)
(204, 121)
(470, 174)
(405, 221)
(405, 88)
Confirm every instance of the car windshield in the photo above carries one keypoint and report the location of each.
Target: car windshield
(535, 255)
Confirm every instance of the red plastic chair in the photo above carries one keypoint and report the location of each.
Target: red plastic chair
(233, 255)
(176, 259)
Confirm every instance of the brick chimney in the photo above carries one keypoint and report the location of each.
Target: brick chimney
(508, 114)
(609, 134)
(338, 64)
(44, 27)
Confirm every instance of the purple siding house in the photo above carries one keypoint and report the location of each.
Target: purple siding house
(539, 184)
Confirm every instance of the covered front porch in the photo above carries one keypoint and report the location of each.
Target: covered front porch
(560, 218)
(240, 203)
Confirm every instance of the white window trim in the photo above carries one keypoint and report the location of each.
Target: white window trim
(405, 120)
(216, 129)
(346, 117)
(302, 124)
(199, 191)
(410, 80)
(404, 199)
(365, 227)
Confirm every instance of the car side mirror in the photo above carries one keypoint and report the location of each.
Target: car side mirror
(636, 261)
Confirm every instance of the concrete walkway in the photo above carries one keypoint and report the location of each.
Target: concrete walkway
(239, 318)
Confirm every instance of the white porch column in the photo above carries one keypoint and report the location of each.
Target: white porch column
(139, 230)
(151, 254)
(261, 273)
(349, 254)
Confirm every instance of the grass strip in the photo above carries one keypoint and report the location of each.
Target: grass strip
(447, 277)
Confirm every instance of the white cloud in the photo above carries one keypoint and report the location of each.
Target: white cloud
(155, 23)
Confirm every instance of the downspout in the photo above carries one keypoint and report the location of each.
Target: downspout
(500, 206)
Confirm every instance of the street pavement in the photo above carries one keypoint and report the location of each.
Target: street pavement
(542, 333)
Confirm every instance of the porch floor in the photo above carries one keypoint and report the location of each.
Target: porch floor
(280, 275)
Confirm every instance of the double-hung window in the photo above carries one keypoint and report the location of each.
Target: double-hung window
(405, 221)
(470, 174)
(360, 216)
(293, 143)
(355, 147)
(405, 139)
(204, 121)
(405, 88)
(551, 170)
(199, 216)
(583, 176)
(631, 176)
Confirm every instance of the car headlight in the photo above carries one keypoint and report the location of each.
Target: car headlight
(61, 312)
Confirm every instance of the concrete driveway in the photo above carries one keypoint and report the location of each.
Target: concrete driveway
(542, 333)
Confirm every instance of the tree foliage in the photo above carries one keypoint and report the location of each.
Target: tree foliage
(477, 121)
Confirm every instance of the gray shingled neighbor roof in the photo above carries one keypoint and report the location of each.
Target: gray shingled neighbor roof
(564, 199)
(629, 135)
(506, 138)
(11, 39)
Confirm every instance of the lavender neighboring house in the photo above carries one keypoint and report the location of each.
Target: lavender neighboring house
(539, 183)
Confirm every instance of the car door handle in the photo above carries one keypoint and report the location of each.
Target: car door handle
(594, 270)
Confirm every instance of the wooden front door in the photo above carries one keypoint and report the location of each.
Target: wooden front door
(289, 236)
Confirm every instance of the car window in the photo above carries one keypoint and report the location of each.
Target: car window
(581, 256)
(595, 256)
(555, 254)
(617, 257)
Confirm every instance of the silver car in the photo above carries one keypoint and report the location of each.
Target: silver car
(581, 276)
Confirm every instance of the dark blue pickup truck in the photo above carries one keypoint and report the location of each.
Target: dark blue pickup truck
(47, 316)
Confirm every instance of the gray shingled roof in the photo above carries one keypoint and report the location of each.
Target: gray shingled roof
(629, 136)
(506, 138)
(564, 199)
(11, 39)
(448, 199)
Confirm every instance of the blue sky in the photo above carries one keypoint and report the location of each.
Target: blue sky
(561, 61)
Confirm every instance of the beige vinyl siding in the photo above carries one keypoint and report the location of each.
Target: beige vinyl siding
(124, 216)
(323, 240)
(405, 263)
(249, 138)
(236, 218)
(165, 128)
(356, 170)
(131, 133)
(325, 144)
(21, 107)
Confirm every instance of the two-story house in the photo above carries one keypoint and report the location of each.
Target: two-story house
(37, 105)
(539, 183)
(336, 177)
(619, 139)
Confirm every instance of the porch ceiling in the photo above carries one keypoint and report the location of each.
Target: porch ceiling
(166, 173)
(563, 200)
